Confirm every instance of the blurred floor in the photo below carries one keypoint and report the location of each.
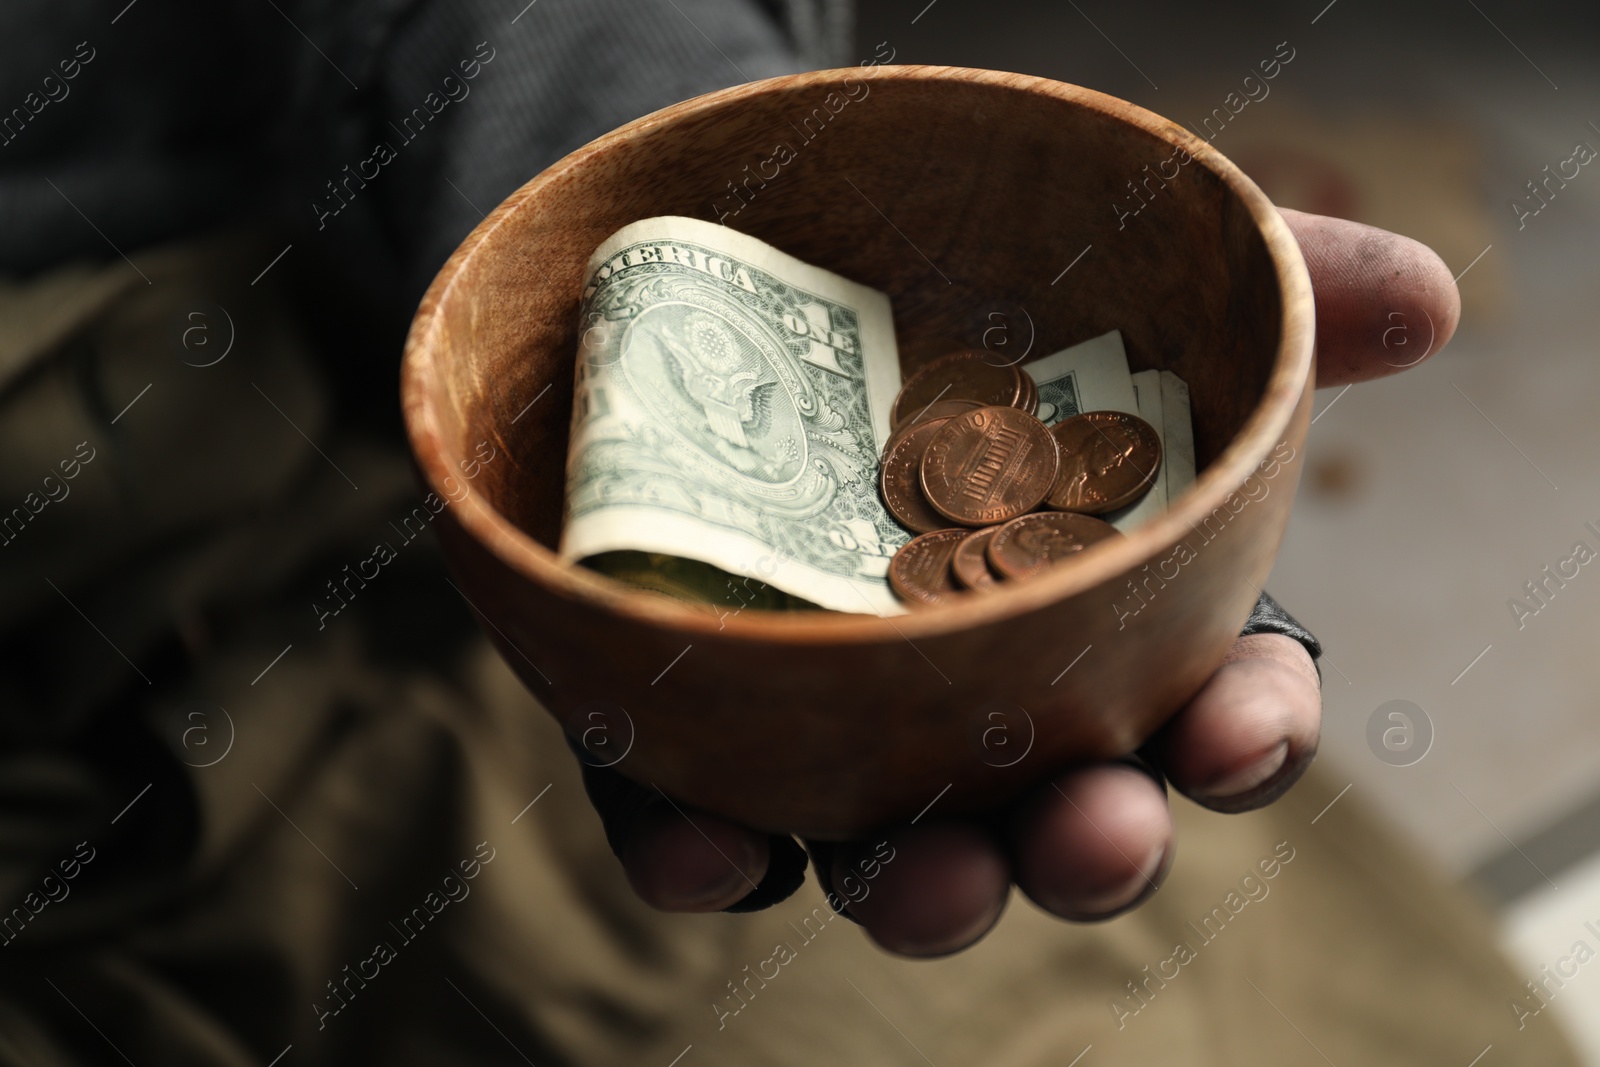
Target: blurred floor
(1430, 499)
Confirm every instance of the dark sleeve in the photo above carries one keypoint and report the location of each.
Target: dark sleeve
(553, 80)
(491, 102)
(1270, 618)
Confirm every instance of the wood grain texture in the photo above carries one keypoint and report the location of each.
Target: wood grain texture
(951, 190)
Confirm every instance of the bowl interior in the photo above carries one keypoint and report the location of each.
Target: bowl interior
(994, 210)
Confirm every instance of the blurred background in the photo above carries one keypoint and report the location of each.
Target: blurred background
(1430, 499)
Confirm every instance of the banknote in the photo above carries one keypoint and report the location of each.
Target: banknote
(1148, 397)
(1179, 440)
(730, 404)
(1091, 376)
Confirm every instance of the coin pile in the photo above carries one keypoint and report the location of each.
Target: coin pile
(968, 466)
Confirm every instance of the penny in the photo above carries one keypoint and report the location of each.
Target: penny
(1027, 546)
(1109, 459)
(938, 411)
(920, 572)
(900, 478)
(1030, 398)
(989, 465)
(968, 375)
(941, 409)
(970, 563)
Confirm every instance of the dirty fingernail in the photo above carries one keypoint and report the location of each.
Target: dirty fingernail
(1249, 776)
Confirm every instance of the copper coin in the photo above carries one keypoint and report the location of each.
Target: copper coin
(969, 375)
(936, 412)
(940, 409)
(1109, 459)
(900, 478)
(989, 465)
(970, 564)
(1030, 397)
(1025, 547)
(920, 572)
(1027, 398)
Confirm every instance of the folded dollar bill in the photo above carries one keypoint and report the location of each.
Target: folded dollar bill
(1093, 376)
(730, 405)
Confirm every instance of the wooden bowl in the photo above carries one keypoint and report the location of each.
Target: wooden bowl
(954, 191)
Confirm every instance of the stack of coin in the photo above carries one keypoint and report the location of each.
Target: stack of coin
(968, 464)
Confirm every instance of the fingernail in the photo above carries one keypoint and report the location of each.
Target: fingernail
(1130, 891)
(951, 942)
(1249, 776)
(724, 884)
(674, 874)
(1112, 903)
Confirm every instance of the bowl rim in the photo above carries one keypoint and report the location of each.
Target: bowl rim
(1261, 432)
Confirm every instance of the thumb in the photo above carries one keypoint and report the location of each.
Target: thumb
(1384, 302)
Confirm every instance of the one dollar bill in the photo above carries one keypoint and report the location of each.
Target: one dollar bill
(730, 405)
(1093, 376)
